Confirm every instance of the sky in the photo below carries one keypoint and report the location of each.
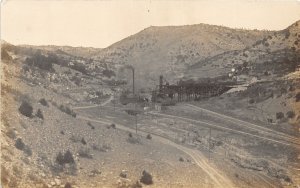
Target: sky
(100, 23)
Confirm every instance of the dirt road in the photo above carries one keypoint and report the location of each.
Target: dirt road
(94, 106)
(219, 180)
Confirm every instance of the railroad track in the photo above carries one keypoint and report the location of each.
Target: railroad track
(248, 125)
(211, 125)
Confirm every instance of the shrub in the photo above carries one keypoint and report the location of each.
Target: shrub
(26, 109)
(85, 153)
(146, 178)
(181, 159)
(68, 185)
(11, 133)
(149, 136)
(297, 97)
(133, 140)
(102, 148)
(40, 61)
(123, 174)
(83, 141)
(251, 101)
(67, 110)
(5, 56)
(19, 144)
(113, 126)
(67, 158)
(60, 158)
(27, 151)
(43, 102)
(90, 124)
(108, 73)
(279, 115)
(75, 139)
(267, 44)
(287, 34)
(168, 103)
(39, 114)
(290, 114)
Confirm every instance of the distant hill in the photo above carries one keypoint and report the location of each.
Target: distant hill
(169, 50)
(85, 52)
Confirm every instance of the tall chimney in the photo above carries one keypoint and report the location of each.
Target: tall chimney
(160, 83)
(133, 81)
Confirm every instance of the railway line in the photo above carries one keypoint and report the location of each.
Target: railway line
(215, 126)
(248, 129)
(248, 125)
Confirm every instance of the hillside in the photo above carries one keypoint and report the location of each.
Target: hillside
(170, 50)
(275, 53)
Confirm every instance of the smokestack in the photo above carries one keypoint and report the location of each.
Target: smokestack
(160, 83)
(133, 81)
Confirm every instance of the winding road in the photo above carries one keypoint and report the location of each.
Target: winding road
(94, 106)
(216, 176)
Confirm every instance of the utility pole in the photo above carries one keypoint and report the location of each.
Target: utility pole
(135, 118)
(136, 123)
(209, 144)
(133, 80)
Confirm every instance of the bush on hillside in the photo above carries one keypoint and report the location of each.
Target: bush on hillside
(85, 153)
(83, 141)
(19, 144)
(5, 56)
(290, 114)
(101, 148)
(251, 101)
(297, 97)
(146, 178)
(108, 73)
(113, 126)
(90, 125)
(43, 102)
(149, 136)
(67, 110)
(66, 158)
(39, 114)
(26, 109)
(40, 61)
(279, 115)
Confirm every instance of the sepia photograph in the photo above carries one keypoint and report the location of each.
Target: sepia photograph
(150, 94)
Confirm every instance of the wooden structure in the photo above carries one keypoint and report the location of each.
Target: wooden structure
(188, 90)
